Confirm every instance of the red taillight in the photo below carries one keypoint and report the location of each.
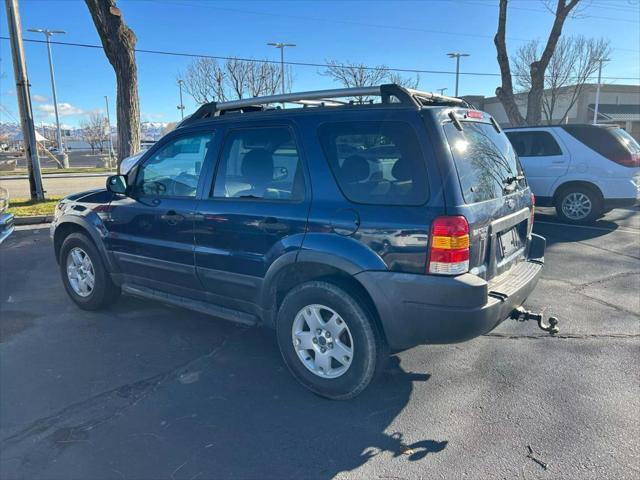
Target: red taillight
(628, 160)
(533, 212)
(449, 253)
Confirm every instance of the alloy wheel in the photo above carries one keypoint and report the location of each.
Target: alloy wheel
(576, 206)
(323, 341)
(80, 272)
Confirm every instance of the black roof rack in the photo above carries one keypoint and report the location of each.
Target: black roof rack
(389, 94)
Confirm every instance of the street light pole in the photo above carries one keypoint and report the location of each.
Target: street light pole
(47, 34)
(111, 155)
(24, 100)
(595, 110)
(457, 56)
(281, 46)
(181, 106)
(442, 90)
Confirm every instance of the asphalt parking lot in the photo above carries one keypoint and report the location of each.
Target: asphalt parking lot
(144, 391)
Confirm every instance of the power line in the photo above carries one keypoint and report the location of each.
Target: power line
(297, 64)
(358, 23)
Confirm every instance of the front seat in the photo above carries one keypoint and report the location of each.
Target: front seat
(257, 170)
(355, 173)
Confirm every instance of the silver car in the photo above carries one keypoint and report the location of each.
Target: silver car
(6, 219)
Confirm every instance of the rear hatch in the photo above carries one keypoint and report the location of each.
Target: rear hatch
(493, 194)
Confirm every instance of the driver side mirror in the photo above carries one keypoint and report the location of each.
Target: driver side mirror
(117, 184)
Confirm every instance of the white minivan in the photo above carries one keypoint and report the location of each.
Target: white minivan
(582, 170)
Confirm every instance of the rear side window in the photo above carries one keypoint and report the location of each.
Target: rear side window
(260, 163)
(378, 163)
(534, 144)
(603, 140)
(486, 163)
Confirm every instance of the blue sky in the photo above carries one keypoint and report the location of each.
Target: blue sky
(402, 34)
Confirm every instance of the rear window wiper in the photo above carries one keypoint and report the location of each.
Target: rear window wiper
(510, 181)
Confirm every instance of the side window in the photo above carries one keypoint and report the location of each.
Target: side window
(173, 171)
(376, 163)
(260, 163)
(534, 144)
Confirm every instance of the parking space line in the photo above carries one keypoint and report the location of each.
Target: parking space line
(619, 229)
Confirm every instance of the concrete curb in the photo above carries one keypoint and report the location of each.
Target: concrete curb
(58, 175)
(33, 220)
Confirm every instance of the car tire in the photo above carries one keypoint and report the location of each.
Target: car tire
(79, 252)
(579, 204)
(358, 335)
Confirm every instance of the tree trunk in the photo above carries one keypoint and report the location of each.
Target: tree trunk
(538, 68)
(119, 42)
(505, 91)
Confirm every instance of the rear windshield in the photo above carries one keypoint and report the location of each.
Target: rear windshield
(486, 162)
(612, 143)
(626, 139)
(378, 163)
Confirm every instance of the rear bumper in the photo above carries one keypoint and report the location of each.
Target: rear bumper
(427, 309)
(6, 226)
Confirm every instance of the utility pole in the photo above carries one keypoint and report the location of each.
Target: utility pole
(442, 90)
(62, 156)
(457, 56)
(111, 153)
(597, 105)
(24, 100)
(281, 46)
(181, 106)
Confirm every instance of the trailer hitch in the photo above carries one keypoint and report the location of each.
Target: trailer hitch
(522, 315)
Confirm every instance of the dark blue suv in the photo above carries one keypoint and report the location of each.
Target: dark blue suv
(364, 221)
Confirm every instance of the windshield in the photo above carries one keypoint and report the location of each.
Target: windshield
(487, 164)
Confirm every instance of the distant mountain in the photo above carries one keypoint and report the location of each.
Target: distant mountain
(148, 130)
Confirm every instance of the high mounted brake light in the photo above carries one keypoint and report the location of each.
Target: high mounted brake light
(449, 252)
(474, 114)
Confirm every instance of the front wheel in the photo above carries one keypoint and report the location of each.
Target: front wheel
(84, 275)
(579, 205)
(328, 340)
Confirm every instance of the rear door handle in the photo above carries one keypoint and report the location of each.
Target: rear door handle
(272, 225)
(558, 161)
(171, 217)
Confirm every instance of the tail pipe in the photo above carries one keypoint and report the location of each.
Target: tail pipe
(522, 315)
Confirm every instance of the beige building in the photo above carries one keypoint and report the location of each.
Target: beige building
(619, 104)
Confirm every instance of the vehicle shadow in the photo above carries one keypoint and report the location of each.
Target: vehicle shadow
(261, 424)
(555, 231)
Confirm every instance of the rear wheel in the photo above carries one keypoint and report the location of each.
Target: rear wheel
(84, 275)
(328, 340)
(579, 204)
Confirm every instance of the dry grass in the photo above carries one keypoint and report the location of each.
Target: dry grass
(22, 207)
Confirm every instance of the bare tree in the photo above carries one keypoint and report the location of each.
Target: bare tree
(574, 60)
(119, 43)
(207, 81)
(353, 75)
(94, 131)
(537, 68)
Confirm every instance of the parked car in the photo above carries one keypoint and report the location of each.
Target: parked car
(6, 219)
(584, 171)
(351, 230)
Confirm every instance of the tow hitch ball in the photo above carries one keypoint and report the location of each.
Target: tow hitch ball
(522, 315)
